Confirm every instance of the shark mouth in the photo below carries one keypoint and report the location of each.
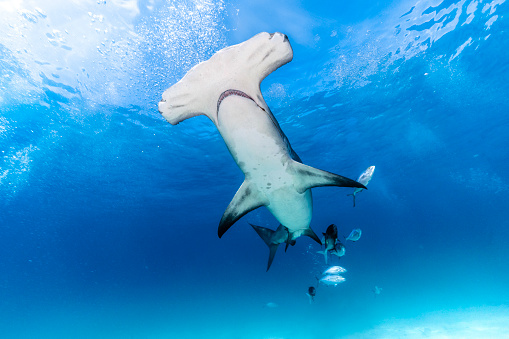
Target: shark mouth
(229, 92)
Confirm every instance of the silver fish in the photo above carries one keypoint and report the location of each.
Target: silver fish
(355, 234)
(334, 270)
(364, 179)
(332, 280)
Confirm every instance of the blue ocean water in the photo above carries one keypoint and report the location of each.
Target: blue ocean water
(109, 215)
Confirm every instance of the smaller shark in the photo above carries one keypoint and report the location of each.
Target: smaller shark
(273, 239)
(364, 179)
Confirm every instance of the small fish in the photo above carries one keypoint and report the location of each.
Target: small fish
(377, 290)
(332, 280)
(364, 179)
(334, 270)
(271, 305)
(311, 294)
(355, 234)
(339, 250)
(329, 240)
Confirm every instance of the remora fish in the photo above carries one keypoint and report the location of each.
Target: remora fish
(364, 179)
(226, 89)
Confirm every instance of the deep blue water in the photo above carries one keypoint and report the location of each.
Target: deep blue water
(109, 215)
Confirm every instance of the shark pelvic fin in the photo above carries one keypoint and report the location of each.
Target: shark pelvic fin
(310, 233)
(309, 177)
(247, 199)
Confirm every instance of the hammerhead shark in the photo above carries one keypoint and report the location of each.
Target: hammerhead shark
(226, 89)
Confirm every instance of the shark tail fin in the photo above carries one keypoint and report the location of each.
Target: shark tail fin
(272, 254)
(289, 242)
(247, 199)
(309, 177)
(266, 235)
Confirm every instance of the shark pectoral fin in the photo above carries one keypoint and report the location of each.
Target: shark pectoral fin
(325, 255)
(246, 199)
(309, 177)
(310, 233)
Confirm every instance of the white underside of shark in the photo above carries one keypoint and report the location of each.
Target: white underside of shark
(226, 89)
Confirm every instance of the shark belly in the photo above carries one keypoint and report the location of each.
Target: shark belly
(258, 148)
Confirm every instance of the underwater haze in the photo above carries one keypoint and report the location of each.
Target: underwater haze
(109, 214)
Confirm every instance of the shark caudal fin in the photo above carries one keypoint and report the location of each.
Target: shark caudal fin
(309, 177)
(247, 199)
(267, 237)
(353, 196)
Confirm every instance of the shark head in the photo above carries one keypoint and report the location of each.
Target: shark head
(241, 67)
